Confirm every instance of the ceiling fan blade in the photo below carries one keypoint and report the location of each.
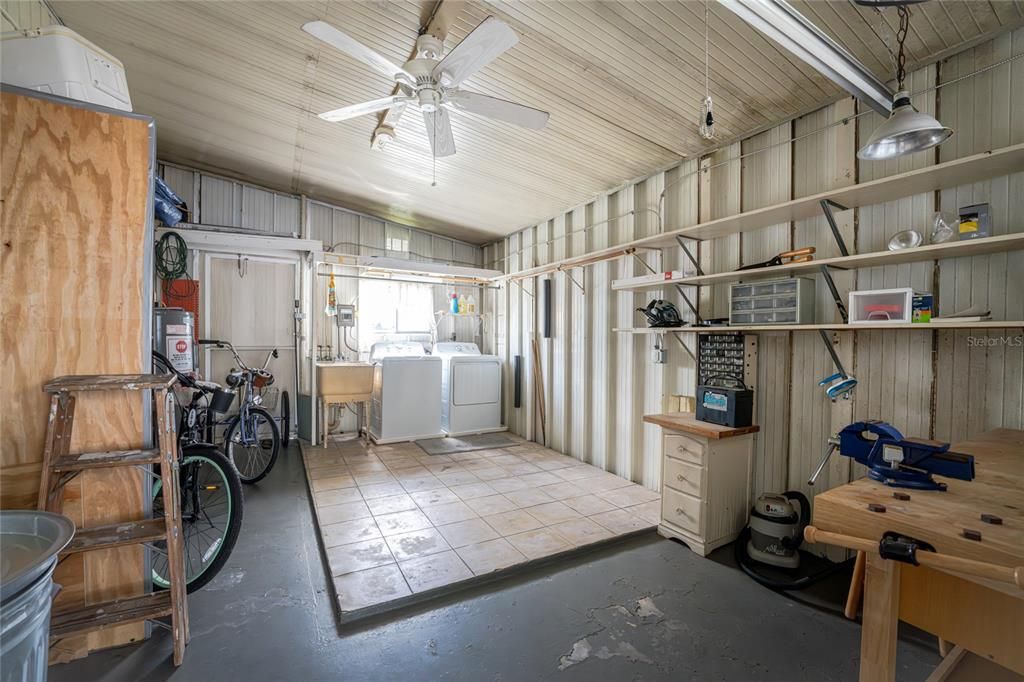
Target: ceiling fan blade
(345, 113)
(439, 130)
(353, 48)
(499, 109)
(477, 50)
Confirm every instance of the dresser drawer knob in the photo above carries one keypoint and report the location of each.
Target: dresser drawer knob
(681, 512)
(679, 477)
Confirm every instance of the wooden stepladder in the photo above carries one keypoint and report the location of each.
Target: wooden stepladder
(59, 467)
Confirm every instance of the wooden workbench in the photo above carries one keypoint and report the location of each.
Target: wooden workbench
(984, 617)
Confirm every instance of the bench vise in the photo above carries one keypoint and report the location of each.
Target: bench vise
(897, 461)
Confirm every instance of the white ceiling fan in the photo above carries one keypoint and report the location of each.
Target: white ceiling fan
(431, 82)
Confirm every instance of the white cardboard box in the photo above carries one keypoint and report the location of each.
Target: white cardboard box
(57, 60)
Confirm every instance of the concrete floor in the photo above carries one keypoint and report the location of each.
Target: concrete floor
(648, 609)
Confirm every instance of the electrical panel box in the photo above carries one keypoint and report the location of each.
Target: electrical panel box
(346, 315)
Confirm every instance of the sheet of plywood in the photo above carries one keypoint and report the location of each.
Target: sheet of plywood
(74, 184)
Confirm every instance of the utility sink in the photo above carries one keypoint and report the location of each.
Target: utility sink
(344, 379)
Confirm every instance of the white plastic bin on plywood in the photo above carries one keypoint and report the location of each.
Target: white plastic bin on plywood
(57, 60)
(881, 306)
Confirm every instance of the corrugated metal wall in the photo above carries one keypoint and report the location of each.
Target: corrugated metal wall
(948, 385)
(217, 201)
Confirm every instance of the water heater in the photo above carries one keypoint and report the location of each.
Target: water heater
(174, 337)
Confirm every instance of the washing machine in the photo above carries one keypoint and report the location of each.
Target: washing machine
(406, 386)
(470, 389)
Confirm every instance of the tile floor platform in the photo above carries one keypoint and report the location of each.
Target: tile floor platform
(396, 523)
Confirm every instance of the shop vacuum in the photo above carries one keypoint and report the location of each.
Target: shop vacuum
(773, 537)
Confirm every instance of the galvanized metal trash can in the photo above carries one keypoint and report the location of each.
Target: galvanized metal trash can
(29, 544)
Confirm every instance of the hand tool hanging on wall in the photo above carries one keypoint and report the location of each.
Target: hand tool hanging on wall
(795, 256)
(897, 461)
(840, 384)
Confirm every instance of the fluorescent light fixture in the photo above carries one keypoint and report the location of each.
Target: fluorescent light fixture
(781, 23)
(906, 131)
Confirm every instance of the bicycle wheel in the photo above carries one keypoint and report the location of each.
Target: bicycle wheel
(286, 420)
(211, 516)
(253, 450)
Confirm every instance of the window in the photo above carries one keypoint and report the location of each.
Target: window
(388, 309)
(396, 240)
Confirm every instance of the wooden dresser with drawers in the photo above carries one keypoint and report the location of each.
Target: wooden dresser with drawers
(706, 473)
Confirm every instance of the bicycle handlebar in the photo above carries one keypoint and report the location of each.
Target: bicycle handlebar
(271, 354)
(227, 344)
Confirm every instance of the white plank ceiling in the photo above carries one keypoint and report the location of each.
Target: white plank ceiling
(235, 88)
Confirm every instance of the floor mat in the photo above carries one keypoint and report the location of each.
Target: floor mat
(481, 441)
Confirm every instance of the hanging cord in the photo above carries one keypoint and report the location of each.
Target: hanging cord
(171, 264)
(433, 153)
(707, 50)
(901, 37)
(707, 119)
(171, 256)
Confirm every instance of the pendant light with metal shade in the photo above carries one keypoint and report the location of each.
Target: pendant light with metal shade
(907, 130)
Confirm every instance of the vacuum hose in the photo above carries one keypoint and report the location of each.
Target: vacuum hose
(746, 564)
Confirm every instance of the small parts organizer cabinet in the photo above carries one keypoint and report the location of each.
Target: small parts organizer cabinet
(705, 474)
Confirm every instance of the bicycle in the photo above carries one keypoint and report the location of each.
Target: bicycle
(252, 439)
(211, 491)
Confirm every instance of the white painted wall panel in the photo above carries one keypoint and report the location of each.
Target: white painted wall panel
(577, 342)
(219, 204)
(980, 376)
(287, 215)
(599, 305)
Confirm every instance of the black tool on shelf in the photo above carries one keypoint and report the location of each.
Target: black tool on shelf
(661, 313)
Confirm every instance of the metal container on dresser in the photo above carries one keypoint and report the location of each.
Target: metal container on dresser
(706, 480)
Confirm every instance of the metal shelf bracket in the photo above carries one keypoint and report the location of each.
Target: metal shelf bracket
(679, 338)
(689, 303)
(686, 250)
(644, 263)
(568, 273)
(521, 288)
(826, 206)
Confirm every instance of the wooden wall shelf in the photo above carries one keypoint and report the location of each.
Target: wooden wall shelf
(931, 252)
(924, 326)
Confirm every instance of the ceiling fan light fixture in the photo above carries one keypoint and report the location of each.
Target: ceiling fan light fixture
(906, 131)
